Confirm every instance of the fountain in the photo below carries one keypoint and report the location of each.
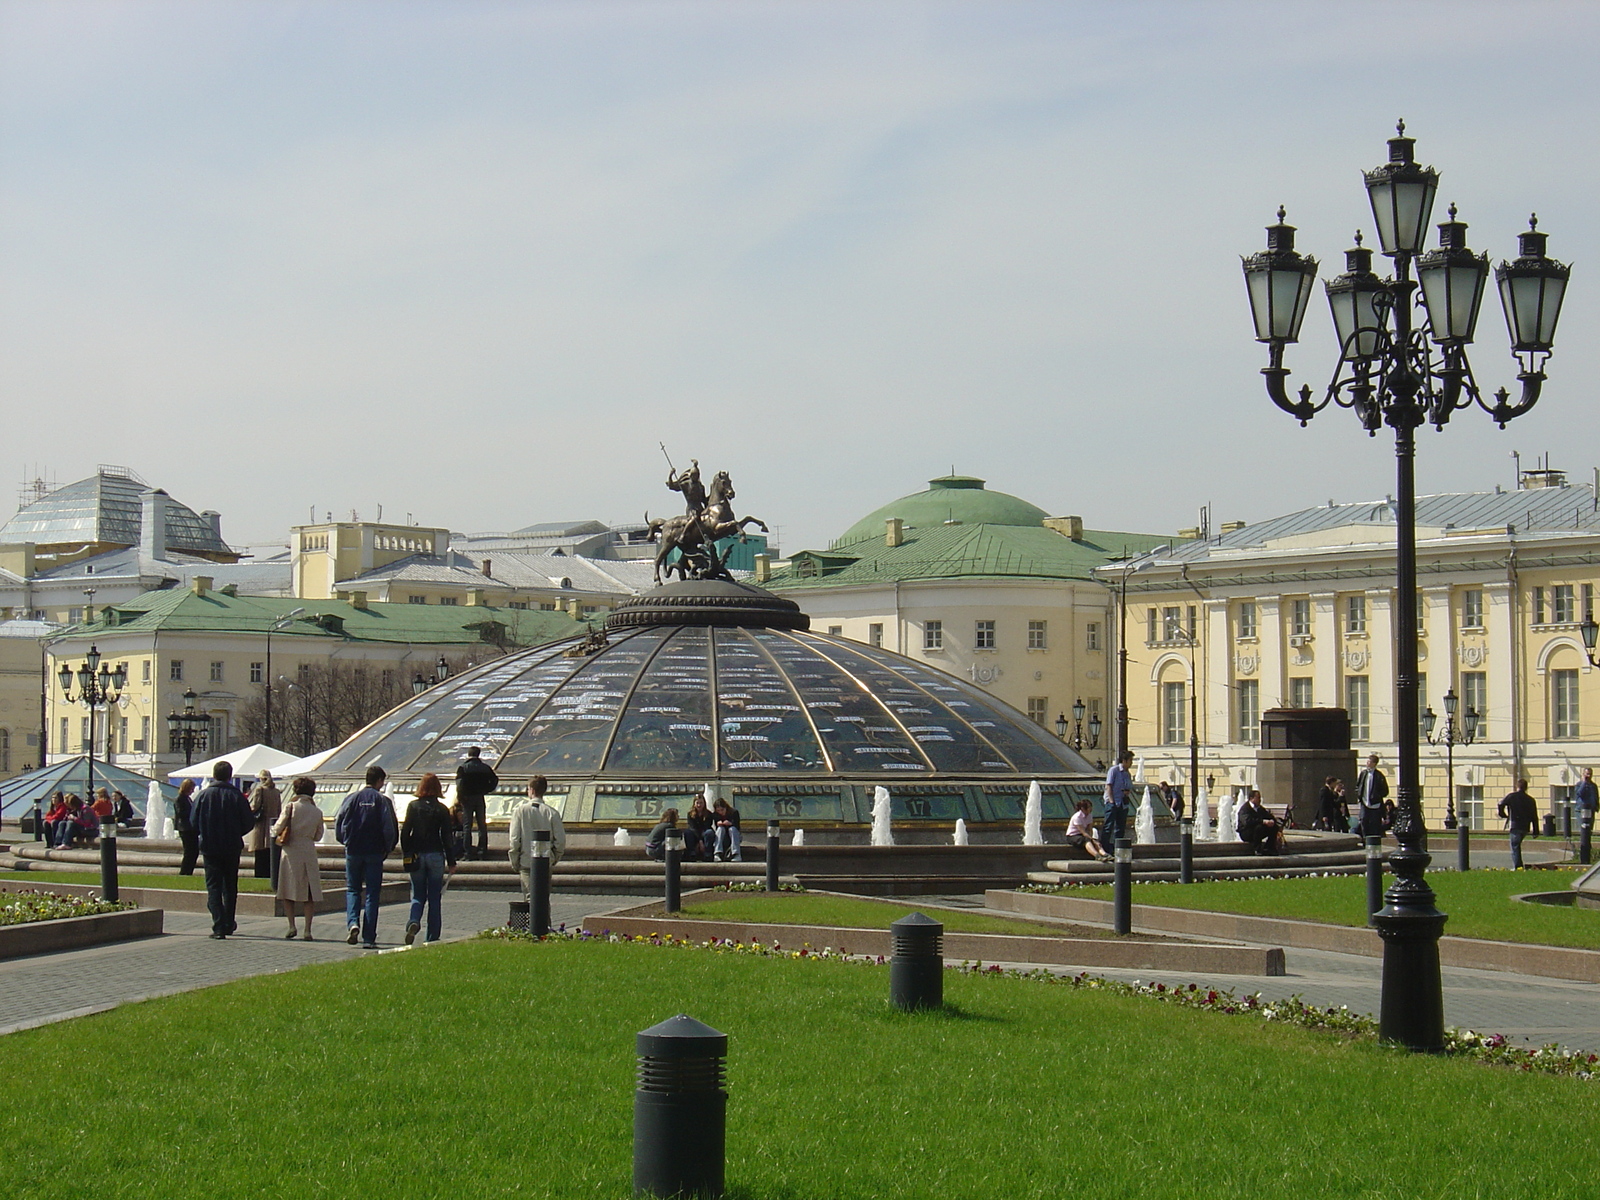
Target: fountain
(1238, 812)
(1144, 826)
(799, 838)
(1202, 816)
(961, 832)
(1033, 817)
(882, 834)
(156, 824)
(621, 837)
(1225, 828)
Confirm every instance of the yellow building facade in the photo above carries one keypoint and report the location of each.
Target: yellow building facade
(1298, 612)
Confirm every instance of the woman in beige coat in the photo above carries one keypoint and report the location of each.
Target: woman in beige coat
(297, 831)
(266, 804)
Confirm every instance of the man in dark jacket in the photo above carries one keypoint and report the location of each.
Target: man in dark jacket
(475, 779)
(221, 817)
(1519, 809)
(1372, 789)
(1259, 828)
(367, 830)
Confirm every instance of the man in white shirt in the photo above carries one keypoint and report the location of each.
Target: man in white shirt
(534, 814)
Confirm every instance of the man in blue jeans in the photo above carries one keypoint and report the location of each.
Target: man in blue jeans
(1119, 783)
(367, 829)
(1522, 814)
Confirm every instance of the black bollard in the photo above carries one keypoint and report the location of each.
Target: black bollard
(673, 853)
(1549, 824)
(38, 822)
(1585, 829)
(1186, 852)
(1122, 887)
(772, 856)
(1463, 847)
(1374, 876)
(539, 883)
(277, 864)
(680, 1110)
(108, 860)
(916, 972)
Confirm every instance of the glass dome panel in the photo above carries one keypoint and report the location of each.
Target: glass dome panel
(668, 721)
(761, 723)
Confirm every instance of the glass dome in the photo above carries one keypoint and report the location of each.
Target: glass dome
(734, 704)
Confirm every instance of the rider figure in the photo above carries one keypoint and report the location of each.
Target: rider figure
(688, 482)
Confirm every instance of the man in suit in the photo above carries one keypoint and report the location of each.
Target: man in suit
(1372, 789)
(221, 817)
(475, 779)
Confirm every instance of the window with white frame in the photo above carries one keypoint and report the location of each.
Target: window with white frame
(142, 743)
(1174, 714)
(257, 672)
(216, 672)
(1564, 704)
(875, 633)
(933, 635)
(1355, 614)
(1469, 805)
(1300, 692)
(1358, 703)
(1036, 635)
(1039, 709)
(1472, 608)
(1563, 605)
(983, 635)
(1091, 635)
(144, 671)
(1247, 619)
(1475, 698)
(1172, 623)
(1422, 694)
(1538, 606)
(175, 670)
(1299, 617)
(1248, 705)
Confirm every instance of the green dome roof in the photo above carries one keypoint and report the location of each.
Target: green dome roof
(950, 498)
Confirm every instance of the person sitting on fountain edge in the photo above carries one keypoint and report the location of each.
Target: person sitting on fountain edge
(655, 846)
(1080, 832)
(1262, 831)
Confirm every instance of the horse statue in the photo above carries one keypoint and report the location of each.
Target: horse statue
(694, 535)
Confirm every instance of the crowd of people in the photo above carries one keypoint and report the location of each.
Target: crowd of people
(710, 834)
(70, 822)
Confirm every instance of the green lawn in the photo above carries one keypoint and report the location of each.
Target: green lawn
(127, 879)
(791, 908)
(1478, 903)
(506, 1069)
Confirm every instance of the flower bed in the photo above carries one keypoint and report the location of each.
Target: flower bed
(20, 908)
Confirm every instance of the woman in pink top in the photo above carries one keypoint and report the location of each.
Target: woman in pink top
(1080, 832)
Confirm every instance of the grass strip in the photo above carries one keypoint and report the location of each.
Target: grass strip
(364, 1078)
(1479, 903)
(133, 879)
(849, 912)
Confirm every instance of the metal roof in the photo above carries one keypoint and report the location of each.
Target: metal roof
(107, 507)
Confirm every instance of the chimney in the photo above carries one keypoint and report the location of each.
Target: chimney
(1232, 526)
(358, 600)
(894, 532)
(476, 598)
(214, 519)
(488, 568)
(153, 524)
(763, 567)
(201, 584)
(1067, 527)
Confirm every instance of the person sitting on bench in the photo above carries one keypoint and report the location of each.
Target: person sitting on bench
(1080, 832)
(1259, 828)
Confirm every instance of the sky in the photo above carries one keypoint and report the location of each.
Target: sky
(473, 261)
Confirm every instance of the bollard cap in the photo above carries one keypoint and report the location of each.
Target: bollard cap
(772, 829)
(681, 1037)
(917, 923)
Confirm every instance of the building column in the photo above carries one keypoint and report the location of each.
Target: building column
(1380, 686)
(1269, 631)
(1325, 650)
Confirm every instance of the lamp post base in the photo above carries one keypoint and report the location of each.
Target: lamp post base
(1412, 1011)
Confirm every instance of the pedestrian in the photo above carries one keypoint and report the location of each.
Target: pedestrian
(725, 825)
(296, 832)
(1519, 810)
(1174, 796)
(104, 809)
(426, 844)
(182, 821)
(266, 803)
(1080, 832)
(366, 828)
(1588, 799)
(655, 846)
(1119, 785)
(475, 779)
(221, 817)
(122, 809)
(531, 815)
(1258, 828)
(699, 836)
(1372, 789)
(1330, 806)
(53, 820)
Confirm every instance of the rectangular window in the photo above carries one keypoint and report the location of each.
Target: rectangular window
(1472, 609)
(1562, 605)
(1422, 693)
(1092, 705)
(1036, 635)
(1422, 612)
(1355, 614)
(122, 738)
(1247, 619)
(1039, 709)
(175, 670)
(1299, 617)
(1358, 703)
(1300, 692)
(1171, 624)
(141, 743)
(1189, 615)
(1564, 704)
(144, 671)
(257, 672)
(1538, 606)
(83, 733)
(1150, 621)
(63, 738)
(216, 672)
(1588, 602)
(1249, 711)
(1174, 714)
(424, 600)
(875, 634)
(303, 672)
(933, 635)
(835, 630)
(519, 604)
(1475, 698)
(217, 734)
(1469, 806)
(550, 607)
(1091, 636)
(448, 601)
(74, 616)
(983, 635)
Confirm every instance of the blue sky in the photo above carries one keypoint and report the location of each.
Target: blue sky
(473, 261)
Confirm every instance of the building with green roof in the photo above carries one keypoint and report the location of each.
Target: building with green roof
(979, 583)
(333, 664)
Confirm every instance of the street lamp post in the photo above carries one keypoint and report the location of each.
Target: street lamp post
(1078, 710)
(188, 728)
(1403, 363)
(98, 687)
(1451, 736)
(277, 626)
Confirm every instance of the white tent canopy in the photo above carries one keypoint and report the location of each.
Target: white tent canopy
(247, 761)
(302, 766)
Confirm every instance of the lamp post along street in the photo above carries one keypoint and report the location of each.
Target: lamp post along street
(99, 686)
(1403, 363)
(189, 729)
(1076, 740)
(1450, 736)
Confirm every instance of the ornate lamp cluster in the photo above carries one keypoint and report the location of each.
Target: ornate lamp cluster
(441, 672)
(1396, 365)
(188, 728)
(1078, 709)
(1451, 736)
